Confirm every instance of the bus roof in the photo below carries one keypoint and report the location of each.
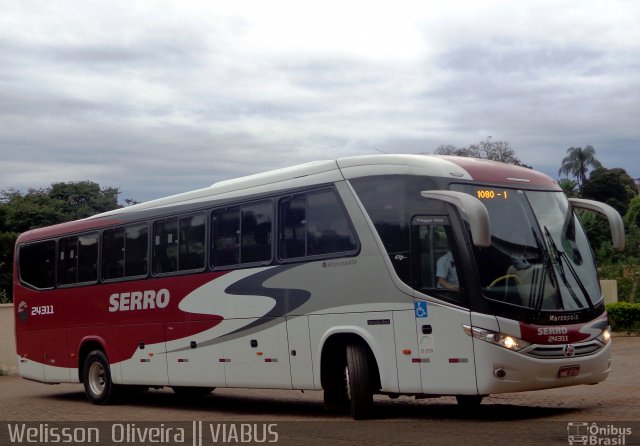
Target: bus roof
(501, 173)
(322, 172)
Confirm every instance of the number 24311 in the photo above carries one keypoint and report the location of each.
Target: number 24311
(42, 310)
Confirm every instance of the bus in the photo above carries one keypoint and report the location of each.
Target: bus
(391, 275)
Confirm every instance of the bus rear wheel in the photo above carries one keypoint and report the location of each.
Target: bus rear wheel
(96, 376)
(359, 385)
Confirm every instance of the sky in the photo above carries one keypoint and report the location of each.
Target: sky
(161, 97)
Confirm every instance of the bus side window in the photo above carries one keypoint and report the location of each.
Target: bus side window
(432, 245)
(426, 275)
(78, 259)
(328, 230)
(67, 260)
(192, 234)
(434, 266)
(87, 258)
(125, 252)
(314, 224)
(113, 254)
(386, 200)
(136, 250)
(441, 248)
(293, 225)
(36, 264)
(225, 234)
(256, 233)
(165, 246)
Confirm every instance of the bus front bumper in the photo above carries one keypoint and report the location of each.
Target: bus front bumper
(500, 370)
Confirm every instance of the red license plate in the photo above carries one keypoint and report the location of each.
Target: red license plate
(569, 371)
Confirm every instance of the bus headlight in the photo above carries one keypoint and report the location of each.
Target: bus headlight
(605, 337)
(509, 342)
(501, 339)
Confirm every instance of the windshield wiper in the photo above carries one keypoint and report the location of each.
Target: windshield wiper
(540, 288)
(558, 257)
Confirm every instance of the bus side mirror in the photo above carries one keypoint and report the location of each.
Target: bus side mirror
(471, 209)
(615, 221)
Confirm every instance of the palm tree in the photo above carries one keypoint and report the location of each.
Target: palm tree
(577, 163)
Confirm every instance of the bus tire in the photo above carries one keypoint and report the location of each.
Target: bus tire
(191, 391)
(335, 395)
(96, 377)
(359, 386)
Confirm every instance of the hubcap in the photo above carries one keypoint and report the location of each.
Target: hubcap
(97, 380)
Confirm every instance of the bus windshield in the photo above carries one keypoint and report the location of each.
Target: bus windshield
(539, 256)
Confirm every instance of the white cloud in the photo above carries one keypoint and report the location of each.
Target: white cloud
(157, 97)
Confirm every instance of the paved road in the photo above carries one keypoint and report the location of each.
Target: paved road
(530, 417)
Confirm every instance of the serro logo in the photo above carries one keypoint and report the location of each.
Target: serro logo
(543, 331)
(139, 300)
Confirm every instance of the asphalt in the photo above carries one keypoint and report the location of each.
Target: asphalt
(499, 420)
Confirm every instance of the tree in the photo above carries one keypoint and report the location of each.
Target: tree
(31, 210)
(84, 198)
(7, 241)
(487, 149)
(58, 203)
(612, 186)
(633, 212)
(599, 234)
(632, 226)
(577, 163)
(569, 187)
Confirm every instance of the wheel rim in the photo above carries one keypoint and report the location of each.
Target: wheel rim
(97, 381)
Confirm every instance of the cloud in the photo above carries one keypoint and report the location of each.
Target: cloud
(161, 97)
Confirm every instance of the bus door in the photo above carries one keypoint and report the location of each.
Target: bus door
(445, 351)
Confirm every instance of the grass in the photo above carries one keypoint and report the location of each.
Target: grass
(4, 298)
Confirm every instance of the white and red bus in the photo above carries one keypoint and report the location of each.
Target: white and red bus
(389, 274)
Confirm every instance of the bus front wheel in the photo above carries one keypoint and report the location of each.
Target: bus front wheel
(96, 376)
(359, 385)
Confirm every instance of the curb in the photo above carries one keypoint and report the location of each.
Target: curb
(625, 334)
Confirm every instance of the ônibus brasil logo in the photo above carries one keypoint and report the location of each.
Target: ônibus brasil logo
(594, 434)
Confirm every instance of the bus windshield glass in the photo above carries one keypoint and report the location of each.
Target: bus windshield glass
(539, 256)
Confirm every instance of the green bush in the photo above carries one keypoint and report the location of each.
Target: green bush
(624, 316)
(4, 297)
(628, 277)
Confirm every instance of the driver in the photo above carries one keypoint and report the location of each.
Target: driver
(446, 274)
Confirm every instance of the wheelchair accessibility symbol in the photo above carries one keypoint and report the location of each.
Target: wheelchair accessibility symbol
(421, 309)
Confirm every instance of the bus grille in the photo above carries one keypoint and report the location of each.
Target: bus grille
(558, 351)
